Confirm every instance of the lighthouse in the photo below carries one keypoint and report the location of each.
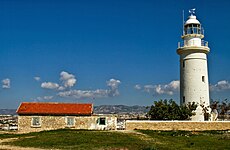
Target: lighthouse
(194, 85)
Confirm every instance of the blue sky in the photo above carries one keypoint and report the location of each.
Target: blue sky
(104, 52)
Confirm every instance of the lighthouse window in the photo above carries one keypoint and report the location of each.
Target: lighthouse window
(192, 29)
(183, 64)
(183, 99)
(195, 30)
(203, 79)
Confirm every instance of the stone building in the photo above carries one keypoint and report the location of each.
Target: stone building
(36, 116)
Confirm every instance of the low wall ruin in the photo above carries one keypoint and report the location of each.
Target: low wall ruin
(177, 125)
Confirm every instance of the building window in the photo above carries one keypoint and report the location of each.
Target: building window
(183, 99)
(36, 121)
(203, 79)
(102, 121)
(70, 121)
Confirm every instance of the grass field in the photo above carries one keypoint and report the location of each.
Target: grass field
(135, 140)
(209, 140)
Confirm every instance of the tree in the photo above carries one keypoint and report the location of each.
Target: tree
(170, 110)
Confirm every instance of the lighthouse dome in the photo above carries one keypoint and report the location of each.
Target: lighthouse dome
(192, 20)
(192, 26)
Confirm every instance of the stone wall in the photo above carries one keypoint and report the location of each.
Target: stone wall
(60, 122)
(178, 125)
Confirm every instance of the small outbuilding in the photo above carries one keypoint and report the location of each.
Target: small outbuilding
(39, 116)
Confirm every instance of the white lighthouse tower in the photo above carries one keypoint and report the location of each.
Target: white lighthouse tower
(194, 86)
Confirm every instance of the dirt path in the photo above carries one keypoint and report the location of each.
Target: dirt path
(10, 147)
(140, 135)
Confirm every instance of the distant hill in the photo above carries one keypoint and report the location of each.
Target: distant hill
(120, 109)
(8, 111)
(102, 109)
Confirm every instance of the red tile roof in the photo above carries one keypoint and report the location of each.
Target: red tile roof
(55, 108)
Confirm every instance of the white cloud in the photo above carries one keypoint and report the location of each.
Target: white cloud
(99, 93)
(49, 85)
(82, 94)
(220, 86)
(174, 86)
(61, 88)
(67, 79)
(148, 88)
(43, 98)
(37, 78)
(113, 84)
(137, 87)
(6, 83)
(168, 89)
(48, 97)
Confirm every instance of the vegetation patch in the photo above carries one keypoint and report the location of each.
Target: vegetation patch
(189, 140)
(170, 110)
(80, 139)
(128, 140)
